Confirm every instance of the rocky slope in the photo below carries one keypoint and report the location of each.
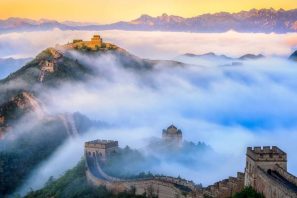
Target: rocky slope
(55, 66)
(52, 68)
(28, 134)
(16, 108)
(28, 146)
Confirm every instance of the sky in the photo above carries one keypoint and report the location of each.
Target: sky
(107, 11)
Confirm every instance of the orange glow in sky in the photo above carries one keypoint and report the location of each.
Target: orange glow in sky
(106, 11)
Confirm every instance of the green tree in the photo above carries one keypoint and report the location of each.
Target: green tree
(248, 192)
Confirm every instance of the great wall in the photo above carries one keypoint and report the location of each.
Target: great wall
(266, 172)
(95, 44)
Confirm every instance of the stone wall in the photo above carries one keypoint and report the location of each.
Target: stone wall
(55, 53)
(266, 172)
(168, 187)
(101, 148)
(48, 66)
(162, 189)
(150, 186)
(270, 187)
(226, 188)
(291, 178)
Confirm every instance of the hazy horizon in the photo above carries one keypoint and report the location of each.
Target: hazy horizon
(154, 45)
(112, 11)
(141, 14)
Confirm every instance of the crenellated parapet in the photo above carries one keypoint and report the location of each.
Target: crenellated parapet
(101, 144)
(225, 188)
(179, 181)
(267, 153)
(101, 149)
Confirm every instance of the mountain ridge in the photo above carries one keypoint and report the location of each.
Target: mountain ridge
(254, 20)
(223, 56)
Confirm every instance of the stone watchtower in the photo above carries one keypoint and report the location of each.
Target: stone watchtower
(101, 149)
(96, 41)
(265, 158)
(172, 135)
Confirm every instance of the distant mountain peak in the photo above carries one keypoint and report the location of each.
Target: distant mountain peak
(293, 57)
(266, 20)
(145, 16)
(214, 55)
(251, 57)
(206, 55)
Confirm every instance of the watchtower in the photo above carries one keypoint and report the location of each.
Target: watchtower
(172, 135)
(101, 149)
(96, 40)
(264, 158)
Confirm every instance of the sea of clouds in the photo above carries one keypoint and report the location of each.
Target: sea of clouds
(154, 45)
(227, 107)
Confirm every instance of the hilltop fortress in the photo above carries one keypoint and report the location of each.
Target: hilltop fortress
(172, 135)
(265, 171)
(96, 43)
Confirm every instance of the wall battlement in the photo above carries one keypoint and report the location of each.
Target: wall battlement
(101, 144)
(183, 182)
(266, 153)
(226, 187)
(101, 149)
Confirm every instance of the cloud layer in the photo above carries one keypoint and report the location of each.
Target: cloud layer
(156, 45)
(228, 107)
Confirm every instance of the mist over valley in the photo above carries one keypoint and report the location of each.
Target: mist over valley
(224, 96)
